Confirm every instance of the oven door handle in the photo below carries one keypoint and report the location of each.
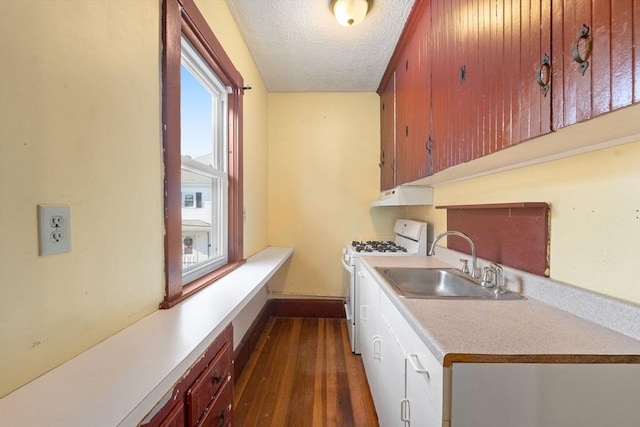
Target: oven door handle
(346, 266)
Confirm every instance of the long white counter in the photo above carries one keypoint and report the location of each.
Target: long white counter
(118, 381)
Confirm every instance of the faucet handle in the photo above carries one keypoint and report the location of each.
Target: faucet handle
(465, 265)
(487, 278)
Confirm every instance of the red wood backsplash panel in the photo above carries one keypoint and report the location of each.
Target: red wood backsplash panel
(511, 234)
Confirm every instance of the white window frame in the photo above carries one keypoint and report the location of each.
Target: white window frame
(218, 170)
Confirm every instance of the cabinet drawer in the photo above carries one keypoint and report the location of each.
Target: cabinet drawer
(422, 367)
(219, 413)
(208, 386)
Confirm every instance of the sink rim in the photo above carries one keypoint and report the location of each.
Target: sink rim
(479, 292)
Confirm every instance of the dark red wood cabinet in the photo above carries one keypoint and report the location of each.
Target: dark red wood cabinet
(595, 58)
(413, 104)
(388, 134)
(405, 115)
(485, 90)
(203, 397)
(473, 77)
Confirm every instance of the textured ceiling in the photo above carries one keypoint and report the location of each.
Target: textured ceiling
(298, 45)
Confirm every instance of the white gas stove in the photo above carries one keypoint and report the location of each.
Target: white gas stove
(410, 239)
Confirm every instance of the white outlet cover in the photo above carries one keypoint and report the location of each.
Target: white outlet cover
(54, 229)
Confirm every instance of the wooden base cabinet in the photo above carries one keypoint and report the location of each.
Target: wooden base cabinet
(204, 395)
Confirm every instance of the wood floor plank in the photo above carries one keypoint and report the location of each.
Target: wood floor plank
(318, 384)
(302, 373)
(281, 409)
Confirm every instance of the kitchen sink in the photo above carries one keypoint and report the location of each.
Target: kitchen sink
(439, 283)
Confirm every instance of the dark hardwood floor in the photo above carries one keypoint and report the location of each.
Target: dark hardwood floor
(302, 373)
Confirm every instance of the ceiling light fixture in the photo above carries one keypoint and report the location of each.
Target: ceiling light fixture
(350, 12)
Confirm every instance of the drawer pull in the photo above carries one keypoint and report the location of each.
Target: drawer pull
(417, 366)
(405, 410)
(377, 349)
(363, 312)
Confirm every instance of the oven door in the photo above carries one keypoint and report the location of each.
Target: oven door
(349, 290)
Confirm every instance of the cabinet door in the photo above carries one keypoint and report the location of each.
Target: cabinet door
(413, 103)
(368, 322)
(425, 386)
(208, 386)
(443, 85)
(388, 134)
(531, 395)
(593, 58)
(485, 93)
(219, 414)
(392, 395)
(455, 111)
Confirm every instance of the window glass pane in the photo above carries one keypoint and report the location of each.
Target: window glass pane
(204, 179)
(188, 200)
(196, 115)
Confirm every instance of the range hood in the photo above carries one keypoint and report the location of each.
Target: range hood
(407, 195)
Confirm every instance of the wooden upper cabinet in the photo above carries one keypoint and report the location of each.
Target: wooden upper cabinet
(488, 59)
(526, 71)
(413, 103)
(594, 60)
(388, 134)
(461, 96)
(473, 77)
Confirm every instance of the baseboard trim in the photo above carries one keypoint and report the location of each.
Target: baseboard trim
(332, 308)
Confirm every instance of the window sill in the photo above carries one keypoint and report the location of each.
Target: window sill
(202, 283)
(121, 379)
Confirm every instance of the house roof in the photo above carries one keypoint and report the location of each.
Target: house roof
(195, 224)
(188, 176)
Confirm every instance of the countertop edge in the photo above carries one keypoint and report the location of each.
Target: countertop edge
(451, 358)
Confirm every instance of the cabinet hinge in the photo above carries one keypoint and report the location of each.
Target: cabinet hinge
(429, 144)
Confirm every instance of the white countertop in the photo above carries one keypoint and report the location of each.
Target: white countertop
(505, 330)
(118, 381)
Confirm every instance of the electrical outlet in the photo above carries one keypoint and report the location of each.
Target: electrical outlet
(54, 229)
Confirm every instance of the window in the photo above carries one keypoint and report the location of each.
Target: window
(188, 200)
(202, 140)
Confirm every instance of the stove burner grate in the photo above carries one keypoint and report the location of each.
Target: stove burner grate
(377, 246)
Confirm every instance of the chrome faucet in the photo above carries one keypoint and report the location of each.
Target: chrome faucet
(474, 261)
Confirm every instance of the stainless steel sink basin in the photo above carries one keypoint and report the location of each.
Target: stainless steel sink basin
(446, 283)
